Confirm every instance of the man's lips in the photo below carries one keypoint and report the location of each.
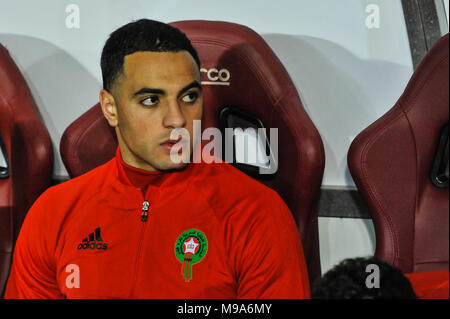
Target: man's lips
(170, 143)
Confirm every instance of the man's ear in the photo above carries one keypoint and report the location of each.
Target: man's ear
(109, 107)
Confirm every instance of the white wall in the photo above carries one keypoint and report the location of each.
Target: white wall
(446, 10)
(442, 13)
(341, 238)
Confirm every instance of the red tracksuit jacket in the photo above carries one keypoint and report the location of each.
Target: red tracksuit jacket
(208, 231)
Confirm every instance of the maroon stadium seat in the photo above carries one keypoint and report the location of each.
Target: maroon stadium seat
(27, 147)
(243, 72)
(391, 161)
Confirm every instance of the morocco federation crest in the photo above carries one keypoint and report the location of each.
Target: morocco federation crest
(190, 247)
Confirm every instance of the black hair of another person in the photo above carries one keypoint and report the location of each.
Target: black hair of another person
(347, 280)
(141, 35)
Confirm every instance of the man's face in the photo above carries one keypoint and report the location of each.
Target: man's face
(156, 92)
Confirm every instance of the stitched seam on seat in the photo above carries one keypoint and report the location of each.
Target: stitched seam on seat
(416, 197)
(6, 102)
(311, 214)
(373, 193)
(433, 262)
(75, 142)
(11, 224)
(297, 174)
(8, 156)
(424, 83)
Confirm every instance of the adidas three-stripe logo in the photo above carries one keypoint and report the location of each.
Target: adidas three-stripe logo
(93, 241)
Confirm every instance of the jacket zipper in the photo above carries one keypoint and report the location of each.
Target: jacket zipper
(144, 213)
(144, 218)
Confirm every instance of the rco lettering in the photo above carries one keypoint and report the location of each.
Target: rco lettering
(216, 77)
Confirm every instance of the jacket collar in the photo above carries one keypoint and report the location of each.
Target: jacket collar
(120, 193)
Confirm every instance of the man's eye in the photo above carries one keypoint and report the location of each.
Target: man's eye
(150, 101)
(190, 97)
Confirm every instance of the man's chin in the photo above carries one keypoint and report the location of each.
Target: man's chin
(171, 161)
(169, 165)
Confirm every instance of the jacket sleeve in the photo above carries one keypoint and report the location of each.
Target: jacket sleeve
(271, 263)
(430, 284)
(33, 273)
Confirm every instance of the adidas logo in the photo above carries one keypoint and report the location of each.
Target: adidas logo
(93, 241)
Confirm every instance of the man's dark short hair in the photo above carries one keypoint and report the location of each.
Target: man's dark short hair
(140, 35)
(347, 280)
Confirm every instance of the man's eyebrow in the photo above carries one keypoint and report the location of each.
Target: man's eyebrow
(149, 90)
(193, 84)
(145, 90)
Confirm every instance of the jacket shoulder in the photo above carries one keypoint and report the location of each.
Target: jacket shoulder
(228, 189)
(76, 186)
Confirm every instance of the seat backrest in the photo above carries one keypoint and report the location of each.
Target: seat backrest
(390, 162)
(28, 152)
(238, 69)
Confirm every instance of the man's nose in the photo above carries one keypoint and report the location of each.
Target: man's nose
(174, 116)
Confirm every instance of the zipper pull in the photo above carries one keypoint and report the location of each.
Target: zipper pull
(144, 213)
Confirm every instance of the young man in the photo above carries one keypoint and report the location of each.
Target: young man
(142, 226)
